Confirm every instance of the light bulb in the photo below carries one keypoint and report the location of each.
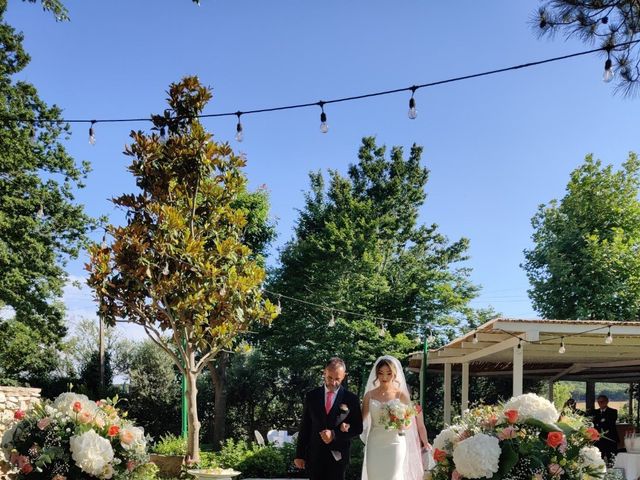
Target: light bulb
(103, 245)
(165, 270)
(278, 307)
(92, 133)
(239, 132)
(609, 73)
(382, 331)
(609, 338)
(430, 339)
(475, 338)
(413, 113)
(324, 128)
(40, 213)
(562, 350)
(332, 322)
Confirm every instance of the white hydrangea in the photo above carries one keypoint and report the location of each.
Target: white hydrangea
(591, 458)
(477, 456)
(64, 403)
(531, 405)
(447, 439)
(92, 453)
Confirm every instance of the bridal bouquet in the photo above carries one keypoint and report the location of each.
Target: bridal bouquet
(397, 415)
(73, 437)
(520, 440)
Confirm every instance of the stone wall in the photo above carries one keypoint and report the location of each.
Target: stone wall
(15, 398)
(12, 399)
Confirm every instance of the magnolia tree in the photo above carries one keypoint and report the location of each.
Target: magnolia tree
(179, 267)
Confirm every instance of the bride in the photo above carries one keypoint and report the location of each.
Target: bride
(388, 455)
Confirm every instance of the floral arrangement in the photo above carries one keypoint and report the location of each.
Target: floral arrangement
(524, 439)
(73, 437)
(396, 415)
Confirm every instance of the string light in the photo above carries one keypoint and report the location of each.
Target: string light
(278, 307)
(382, 331)
(40, 213)
(519, 344)
(413, 113)
(431, 338)
(609, 338)
(92, 133)
(103, 244)
(165, 270)
(475, 338)
(562, 350)
(609, 73)
(332, 321)
(239, 130)
(324, 128)
(163, 133)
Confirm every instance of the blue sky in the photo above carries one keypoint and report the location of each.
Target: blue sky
(496, 147)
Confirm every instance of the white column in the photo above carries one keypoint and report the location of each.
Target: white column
(465, 386)
(447, 393)
(551, 382)
(518, 357)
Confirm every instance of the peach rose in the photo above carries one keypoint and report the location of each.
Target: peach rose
(593, 434)
(439, 455)
(555, 439)
(511, 416)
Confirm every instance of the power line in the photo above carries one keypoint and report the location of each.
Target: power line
(322, 103)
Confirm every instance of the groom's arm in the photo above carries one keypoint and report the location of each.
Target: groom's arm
(354, 419)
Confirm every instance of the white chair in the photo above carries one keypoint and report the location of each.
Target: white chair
(273, 436)
(259, 438)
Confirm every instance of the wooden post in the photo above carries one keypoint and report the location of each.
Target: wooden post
(518, 369)
(447, 393)
(465, 387)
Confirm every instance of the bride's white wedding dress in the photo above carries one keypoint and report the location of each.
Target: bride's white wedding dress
(386, 450)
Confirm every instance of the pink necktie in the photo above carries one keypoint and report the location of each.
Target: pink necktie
(329, 402)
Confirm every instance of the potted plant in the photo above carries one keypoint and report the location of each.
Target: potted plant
(168, 454)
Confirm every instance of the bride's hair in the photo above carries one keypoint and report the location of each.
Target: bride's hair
(383, 362)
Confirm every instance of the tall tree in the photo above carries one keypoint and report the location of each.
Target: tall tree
(358, 247)
(613, 25)
(179, 264)
(41, 226)
(258, 233)
(584, 262)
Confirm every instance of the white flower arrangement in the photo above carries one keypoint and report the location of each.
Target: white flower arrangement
(531, 405)
(448, 438)
(92, 453)
(477, 456)
(592, 458)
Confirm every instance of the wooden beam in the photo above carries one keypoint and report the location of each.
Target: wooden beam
(498, 347)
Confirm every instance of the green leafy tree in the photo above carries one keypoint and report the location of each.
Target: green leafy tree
(154, 390)
(611, 24)
(358, 247)
(40, 225)
(90, 376)
(258, 233)
(25, 356)
(584, 263)
(179, 266)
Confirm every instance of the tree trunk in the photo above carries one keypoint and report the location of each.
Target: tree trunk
(193, 438)
(218, 371)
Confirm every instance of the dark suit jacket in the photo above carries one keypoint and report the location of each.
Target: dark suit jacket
(346, 408)
(605, 423)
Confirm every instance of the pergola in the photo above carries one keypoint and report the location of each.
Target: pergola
(531, 349)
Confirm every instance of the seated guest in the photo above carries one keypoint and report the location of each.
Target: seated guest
(571, 407)
(604, 420)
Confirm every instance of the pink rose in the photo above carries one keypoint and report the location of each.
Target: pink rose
(131, 465)
(44, 423)
(555, 470)
(19, 414)
(490, 422)
(22, 461)
(508, 433)
(77, 406)
(13, 459)
(26, 469)
(455, 475)
(85, 417)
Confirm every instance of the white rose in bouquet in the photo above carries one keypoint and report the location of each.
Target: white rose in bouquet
(92, 453)
(448, 438)
(71, 404)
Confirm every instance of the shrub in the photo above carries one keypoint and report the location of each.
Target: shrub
(169, 444)
(233, 453)
(264, 462)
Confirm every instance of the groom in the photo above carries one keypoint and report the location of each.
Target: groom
(323, 444)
